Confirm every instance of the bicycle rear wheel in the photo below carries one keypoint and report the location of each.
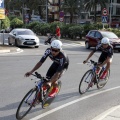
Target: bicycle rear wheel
(85, 81)
(102, 83)
(26, 104)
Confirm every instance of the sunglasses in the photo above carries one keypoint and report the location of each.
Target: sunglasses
(55, 50)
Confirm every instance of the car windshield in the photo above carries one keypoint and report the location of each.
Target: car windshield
(109, 34)
(25, 32)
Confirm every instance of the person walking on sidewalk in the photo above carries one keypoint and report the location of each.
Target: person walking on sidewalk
(58, 34)
(59, 66)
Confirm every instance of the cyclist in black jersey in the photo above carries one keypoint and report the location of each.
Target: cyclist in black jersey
(58, 67)
(105, 57)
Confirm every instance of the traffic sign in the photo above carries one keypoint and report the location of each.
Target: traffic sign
(2, 11)
(104, 12)
(104, 19)
(1, 3)
(2, 16)
(61, 19)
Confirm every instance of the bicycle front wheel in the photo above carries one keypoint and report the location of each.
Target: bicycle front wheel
(26, 104)
(85, 81)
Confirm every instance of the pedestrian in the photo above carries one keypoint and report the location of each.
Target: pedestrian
(58, 35)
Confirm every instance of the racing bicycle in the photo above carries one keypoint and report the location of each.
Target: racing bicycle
(91, 77)
(38, 94)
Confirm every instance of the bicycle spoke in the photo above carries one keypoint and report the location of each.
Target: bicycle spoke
(85, 82)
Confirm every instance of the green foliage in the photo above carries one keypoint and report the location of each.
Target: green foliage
(45, 28)
(16, 23)
(5, 23)
(75, 31)
(53, 26)
(32, 25)
(11, 17)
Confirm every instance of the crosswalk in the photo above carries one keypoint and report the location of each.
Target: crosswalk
(67, 44)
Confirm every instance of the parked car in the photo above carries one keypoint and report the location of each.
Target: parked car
(23, 37)
(93, 38)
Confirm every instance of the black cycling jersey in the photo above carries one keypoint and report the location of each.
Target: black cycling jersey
(61, 59)
(108, 52)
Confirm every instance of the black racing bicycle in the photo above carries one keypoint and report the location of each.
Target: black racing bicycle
(91, 77)
(38, 94)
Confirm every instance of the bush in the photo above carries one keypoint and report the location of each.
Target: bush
(75, 31)
(11, 17)
(5, 23)
(32, 25)
(16, 23)
(45, 28)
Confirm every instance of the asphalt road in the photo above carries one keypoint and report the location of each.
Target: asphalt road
(69, 104)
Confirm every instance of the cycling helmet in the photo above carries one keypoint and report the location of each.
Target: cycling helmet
(56, 44)
(105, 40)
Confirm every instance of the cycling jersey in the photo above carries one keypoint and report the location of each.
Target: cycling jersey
(61, 60)
(106, 52)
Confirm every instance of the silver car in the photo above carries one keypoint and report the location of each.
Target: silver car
(23, 37)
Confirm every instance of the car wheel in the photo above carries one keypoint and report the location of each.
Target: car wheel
(118, 50)
(87, 45)
(36, 46)
(16, 44)
(9, 41)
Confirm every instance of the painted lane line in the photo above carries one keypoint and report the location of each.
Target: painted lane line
(70, 103)
(106, 113)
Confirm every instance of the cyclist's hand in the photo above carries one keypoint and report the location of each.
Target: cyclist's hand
(84, 61)
(28, 74)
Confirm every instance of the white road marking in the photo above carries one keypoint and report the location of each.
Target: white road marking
(2, 54)
(104, 114)
(64, 44)
(72, 102)
(79, 63)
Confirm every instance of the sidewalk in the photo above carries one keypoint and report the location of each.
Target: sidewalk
(8, 49)
(111, 114)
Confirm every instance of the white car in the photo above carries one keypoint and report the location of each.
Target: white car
(23, 37)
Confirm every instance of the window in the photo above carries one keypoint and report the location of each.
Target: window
(118, 1)
(117, 11)
(92, 33)
(98, 35)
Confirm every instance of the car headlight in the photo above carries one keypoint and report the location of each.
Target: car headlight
(37, 39)
(20, 38)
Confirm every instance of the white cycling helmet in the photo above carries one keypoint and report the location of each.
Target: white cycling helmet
(105, 40)
(56, 44)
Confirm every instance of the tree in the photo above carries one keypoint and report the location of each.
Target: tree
(91, 5)
(71, 7)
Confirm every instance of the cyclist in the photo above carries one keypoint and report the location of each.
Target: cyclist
(105, 57)
(58, 67)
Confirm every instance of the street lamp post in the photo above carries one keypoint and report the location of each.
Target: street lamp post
(110, 21)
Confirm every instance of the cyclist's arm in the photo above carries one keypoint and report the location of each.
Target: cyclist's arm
(38, 65)
(89, 56)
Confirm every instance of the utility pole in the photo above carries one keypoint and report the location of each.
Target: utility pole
(46, 10)
(110, 19)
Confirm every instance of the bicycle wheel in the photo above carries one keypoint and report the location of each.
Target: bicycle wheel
(102, 83)
(85, 81)
(26, 104)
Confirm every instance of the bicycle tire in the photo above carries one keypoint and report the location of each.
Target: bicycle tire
(47, 101)
(99, 85)
(30, 105)
(89, 72)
